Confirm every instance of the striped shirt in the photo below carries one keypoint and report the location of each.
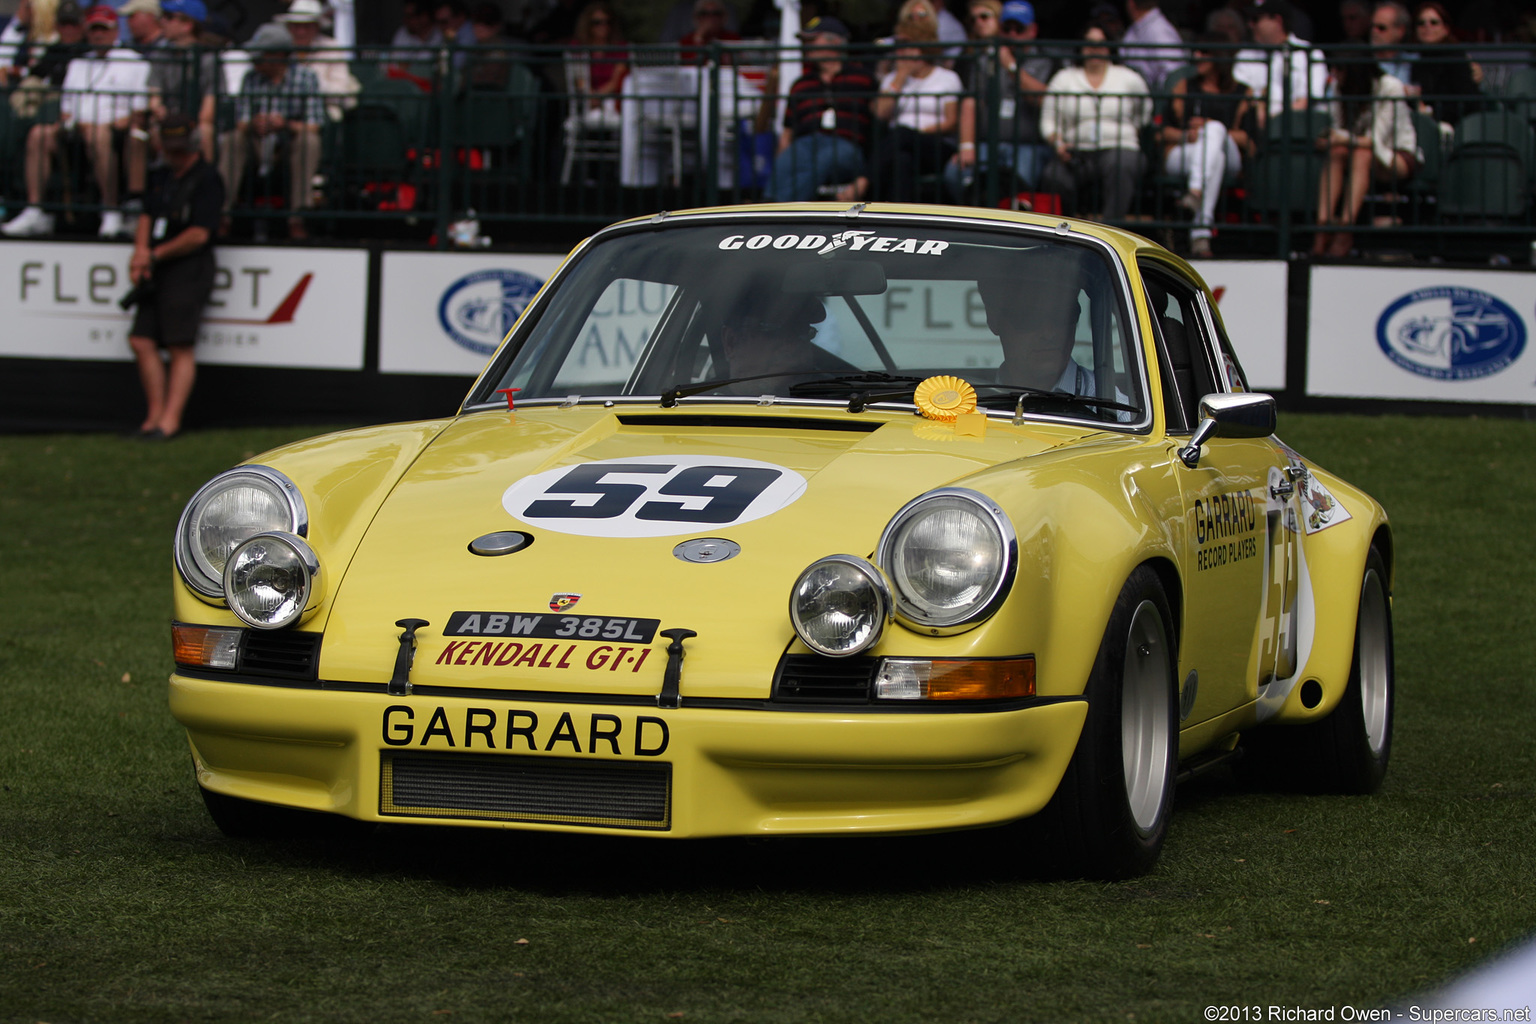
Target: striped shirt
(848, 94)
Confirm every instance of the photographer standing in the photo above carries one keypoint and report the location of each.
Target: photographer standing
(172, 272)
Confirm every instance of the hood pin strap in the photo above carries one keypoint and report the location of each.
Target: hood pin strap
(400, 682)
(670, 697)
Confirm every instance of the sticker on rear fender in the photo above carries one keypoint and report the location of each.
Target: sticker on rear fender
(515, 729)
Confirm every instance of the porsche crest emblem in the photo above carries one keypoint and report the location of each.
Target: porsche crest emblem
(560, 602)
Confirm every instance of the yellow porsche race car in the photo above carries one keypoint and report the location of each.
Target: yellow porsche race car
(791, 521)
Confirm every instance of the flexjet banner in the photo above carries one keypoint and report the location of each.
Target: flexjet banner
(300, 308)
(1435, 335)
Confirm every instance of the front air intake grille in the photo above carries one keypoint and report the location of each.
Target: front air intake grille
(572, 791)
(814, 679)
(286, 655)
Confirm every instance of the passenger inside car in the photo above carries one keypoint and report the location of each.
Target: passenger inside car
(1036, 324)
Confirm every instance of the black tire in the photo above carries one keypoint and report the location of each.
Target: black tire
(1347, 751)
(1109, 817)
(248, 819)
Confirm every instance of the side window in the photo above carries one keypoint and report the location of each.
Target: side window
(1174, 305)
(1235, 378)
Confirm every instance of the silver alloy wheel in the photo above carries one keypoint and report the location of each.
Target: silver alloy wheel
(1145, 725)
(1373, 635)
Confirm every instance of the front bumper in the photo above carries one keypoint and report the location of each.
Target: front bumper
(725, 770)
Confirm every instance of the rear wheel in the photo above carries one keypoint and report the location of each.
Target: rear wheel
(1109, 816)
(1347, 751)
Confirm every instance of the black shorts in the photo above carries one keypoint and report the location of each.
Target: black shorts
(171, 315)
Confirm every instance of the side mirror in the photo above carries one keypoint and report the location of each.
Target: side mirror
(1240, 415)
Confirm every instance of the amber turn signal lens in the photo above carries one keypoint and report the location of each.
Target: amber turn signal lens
(924, 679)
(205, 646)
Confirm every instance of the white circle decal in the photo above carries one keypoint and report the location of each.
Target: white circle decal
(652, 497)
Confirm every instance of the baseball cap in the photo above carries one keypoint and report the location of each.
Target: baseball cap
(1021, 11)
(176, 132)
(140, 7)
(825, 25)
(302, 11)
(194, 9)
(101, 14)
(69, 13)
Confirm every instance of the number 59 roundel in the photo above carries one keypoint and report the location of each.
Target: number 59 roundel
(652, 497)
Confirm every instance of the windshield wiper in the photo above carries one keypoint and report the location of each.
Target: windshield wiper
(904, 386)
(1025, 392)
(670, 396)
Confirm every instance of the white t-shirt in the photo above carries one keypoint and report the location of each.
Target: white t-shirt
(1265, 73)
(101, 90)
(921, 103)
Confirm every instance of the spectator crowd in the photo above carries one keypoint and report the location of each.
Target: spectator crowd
(1095, 110)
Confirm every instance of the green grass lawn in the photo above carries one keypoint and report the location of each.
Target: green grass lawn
(119, 901)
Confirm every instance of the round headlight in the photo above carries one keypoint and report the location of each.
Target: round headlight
(840, 605)
(951, 556)
(270, 581)
(228, 510)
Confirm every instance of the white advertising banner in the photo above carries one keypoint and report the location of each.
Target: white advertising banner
(1422, 334)
(1251, 295)
(301, 308)
(446, 312)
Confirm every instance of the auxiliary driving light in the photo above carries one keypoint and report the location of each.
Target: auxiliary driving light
(270, 580)
(840, 605)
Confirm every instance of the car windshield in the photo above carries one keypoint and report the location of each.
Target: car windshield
(812, 311)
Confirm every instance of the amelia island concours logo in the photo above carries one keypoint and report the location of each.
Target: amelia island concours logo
(1450, 333)
(478, 309)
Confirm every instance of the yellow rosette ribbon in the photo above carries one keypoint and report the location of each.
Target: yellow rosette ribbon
(944, 398)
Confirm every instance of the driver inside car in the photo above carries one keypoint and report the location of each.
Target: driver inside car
(767, 332)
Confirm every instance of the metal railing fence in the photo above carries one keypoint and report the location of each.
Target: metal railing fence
(408, 148)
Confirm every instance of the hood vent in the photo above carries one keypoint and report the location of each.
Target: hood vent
(700, 421)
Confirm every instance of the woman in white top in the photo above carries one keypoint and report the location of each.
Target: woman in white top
(1092, 116)
(1372, 137)
(920, 102)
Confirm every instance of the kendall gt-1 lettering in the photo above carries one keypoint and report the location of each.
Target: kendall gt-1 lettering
(514, 654)
(652, 497)
(514, 729)
(854, 240)
(541, 626)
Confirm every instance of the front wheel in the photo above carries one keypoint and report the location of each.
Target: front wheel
(1109, 817)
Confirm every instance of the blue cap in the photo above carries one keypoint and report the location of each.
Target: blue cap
(1021, 11)
(194, 9)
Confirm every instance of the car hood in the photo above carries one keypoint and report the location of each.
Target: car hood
(576, 611)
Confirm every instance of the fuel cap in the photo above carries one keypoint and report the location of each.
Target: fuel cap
(501, 543)
(707, 549)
